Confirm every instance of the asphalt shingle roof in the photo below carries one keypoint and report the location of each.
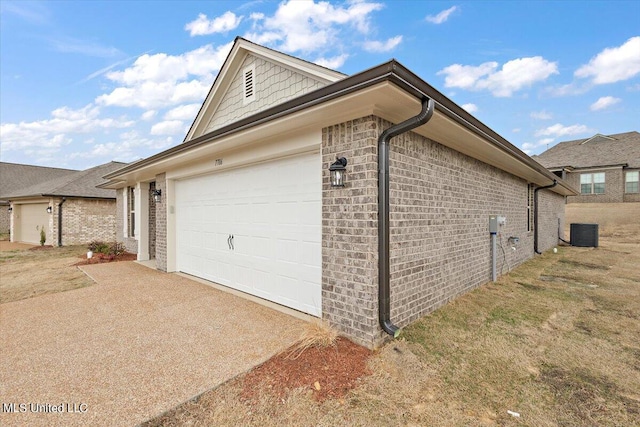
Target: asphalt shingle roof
(54, 182)
(616, 149)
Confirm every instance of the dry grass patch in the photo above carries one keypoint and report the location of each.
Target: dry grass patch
(30, 273)
(317, 333)
(555, 340)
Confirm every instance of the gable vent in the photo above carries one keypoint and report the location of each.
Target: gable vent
(249, 84)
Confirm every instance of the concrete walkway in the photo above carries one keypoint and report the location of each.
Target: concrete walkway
(128, 349)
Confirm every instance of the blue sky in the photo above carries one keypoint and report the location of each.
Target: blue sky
(86, 82)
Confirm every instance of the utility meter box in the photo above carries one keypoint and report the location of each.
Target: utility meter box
(493, 223)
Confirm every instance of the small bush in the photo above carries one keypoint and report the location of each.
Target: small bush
(110, 249)
(98, 247)
(43, 236)
(117, 248)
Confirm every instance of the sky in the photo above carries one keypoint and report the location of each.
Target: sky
(86, 82)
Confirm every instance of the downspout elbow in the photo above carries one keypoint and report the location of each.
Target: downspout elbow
(384, 291)
(535, 207)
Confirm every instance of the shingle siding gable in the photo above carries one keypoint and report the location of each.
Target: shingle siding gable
(273, 84)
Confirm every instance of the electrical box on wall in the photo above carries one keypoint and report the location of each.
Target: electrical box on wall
(493, 223)
(502, 220)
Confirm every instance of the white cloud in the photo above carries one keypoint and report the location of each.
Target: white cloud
(613, 64)
(541, 115)
(71, 45)
(604, 102)
(126, 148)
(161, 80)
(148, 115)
(168, 127)
(332, 63)
(442, 16)
(559, 130)
(378, 46)
(470, 108)
(55, 132)
(203, 26)
(307, 26)
(528, 147)
(183, 112)
(513, 76)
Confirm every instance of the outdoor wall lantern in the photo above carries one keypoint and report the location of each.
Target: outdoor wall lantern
(338, 170)
(156, 195)
(10, 209)
(49, 209)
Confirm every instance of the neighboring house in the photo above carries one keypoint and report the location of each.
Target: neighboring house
(14, 177)
(606, 168)
(246, 200)
(65, 203)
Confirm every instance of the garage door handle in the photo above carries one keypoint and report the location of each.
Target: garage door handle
(232, 246)
(229, 241)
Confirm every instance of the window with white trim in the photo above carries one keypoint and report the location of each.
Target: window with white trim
(592, 183)
(632, 182)
(249, 88)
(131, 210)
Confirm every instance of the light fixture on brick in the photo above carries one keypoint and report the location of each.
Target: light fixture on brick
(49, 209)
(156, 195)
(338, 170)
(10, 209)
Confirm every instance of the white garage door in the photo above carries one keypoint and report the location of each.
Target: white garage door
(256, 229)
(31, 218)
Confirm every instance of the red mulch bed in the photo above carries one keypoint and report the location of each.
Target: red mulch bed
(336, 369)
(102, 258)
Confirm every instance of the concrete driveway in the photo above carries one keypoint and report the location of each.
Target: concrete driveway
(135, 345)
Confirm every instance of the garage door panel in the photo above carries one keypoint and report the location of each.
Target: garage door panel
(273, 210)
(32, 217)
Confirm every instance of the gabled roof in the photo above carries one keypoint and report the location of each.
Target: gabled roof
(598, 150)
(231, 66)
(390, 91)
(51, 183)
(14, 176)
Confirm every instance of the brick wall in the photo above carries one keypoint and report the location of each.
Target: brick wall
(349, 233)
(84, 220)
(440, 243)
(550, 219)
(273, 85)
(152, 221)
(5, 218)
(161, 224)
(613, 190)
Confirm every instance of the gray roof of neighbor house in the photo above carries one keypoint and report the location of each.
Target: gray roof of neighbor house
(28, 181)
(598, 150)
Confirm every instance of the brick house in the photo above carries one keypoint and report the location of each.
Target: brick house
(247, 200)
(606, 168)
(63, 202)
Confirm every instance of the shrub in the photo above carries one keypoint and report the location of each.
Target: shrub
(117, 248)
(98, 247)
(43, 236)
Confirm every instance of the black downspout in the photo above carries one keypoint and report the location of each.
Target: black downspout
(384, 301)
(60, 221)
(535, 207)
